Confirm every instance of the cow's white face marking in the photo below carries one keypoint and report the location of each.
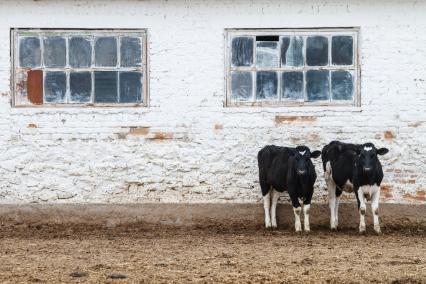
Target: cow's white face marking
(366, 148)
(302, 152)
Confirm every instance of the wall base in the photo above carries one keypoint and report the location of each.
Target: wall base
(200, 215)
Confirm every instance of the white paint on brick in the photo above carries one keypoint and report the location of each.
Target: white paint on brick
(86, 154)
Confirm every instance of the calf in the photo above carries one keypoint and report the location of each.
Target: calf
(353, 167)
(290, 169)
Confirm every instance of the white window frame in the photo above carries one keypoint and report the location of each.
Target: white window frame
(92, 33)
(327, 32)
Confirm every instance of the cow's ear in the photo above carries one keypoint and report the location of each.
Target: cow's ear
(382, 151)
(315, 154)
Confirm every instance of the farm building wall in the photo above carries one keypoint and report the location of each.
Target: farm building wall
(186, 147)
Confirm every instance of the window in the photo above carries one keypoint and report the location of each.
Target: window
(292, 67)
(79, 67)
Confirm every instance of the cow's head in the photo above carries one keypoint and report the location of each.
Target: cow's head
(302, 159)
(367, 154)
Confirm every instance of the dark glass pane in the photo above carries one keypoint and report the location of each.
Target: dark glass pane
(317, 85)
(267, 54)
(55, 86)
(242, 51)
(342, 85)
(292, 85)
(242, 85)
(317, 51)
(106, 52)
(131, 52)
(54, 51)
(130, 87)
(266, 85)
(80, 86)
(80, 52)
(342, 50)
(106, 87)
(29, 52)
(292, 51)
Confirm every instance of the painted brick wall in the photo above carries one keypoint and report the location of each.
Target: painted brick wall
(187, 147)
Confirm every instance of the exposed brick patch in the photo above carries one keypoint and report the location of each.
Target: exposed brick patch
(138, 131)
(386, 191)
(415, 124)
(285, 119)
(314, 137)
(160, 136)
(388, 135)
(32, 125)
(419, 196)
(218, 126)
(406, 181)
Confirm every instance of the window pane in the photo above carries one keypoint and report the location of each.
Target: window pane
(80, 86)
(292, 51)
(131, 52)
(80, 52)
(54, 51)
(317, 85)
(242, 85)
(106, 52)
(130, 87)
(106, 87)
(266, 85)
(317, 51)
(342, 50)
(29, 52)
(292, 85)
(55, 86)
(342, 85)
(242, 51)
(267, 53)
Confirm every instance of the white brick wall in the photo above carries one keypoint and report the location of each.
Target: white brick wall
(94, 155)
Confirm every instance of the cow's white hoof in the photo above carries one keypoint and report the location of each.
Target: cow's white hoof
(377, 230)
(298, 228)
(268, 225)
(362, 229)
(307, 230)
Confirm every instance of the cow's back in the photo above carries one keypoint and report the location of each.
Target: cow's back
(341, 157)
(273, 163)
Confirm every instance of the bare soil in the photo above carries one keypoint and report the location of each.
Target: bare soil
(142, 253)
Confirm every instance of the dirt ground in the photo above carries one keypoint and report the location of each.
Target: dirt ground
(141, 254)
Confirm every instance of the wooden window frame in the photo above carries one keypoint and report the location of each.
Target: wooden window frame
(327, 32)
(92, 33)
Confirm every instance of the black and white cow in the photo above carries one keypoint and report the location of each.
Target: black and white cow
(353, 167)
(287, 169)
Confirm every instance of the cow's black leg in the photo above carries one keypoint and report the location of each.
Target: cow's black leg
(297, 209)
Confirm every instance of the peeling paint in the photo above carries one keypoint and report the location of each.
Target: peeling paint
(388, 135)
(137, 131)
(161, 136)
(280, 119)
(218, 126)
(386, 191)
(419, 196)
